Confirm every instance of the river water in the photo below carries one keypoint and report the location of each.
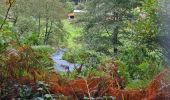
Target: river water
(60, 64)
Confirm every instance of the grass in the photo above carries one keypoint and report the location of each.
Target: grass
(73, 32)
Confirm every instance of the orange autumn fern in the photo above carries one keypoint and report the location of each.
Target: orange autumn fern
(159, 88)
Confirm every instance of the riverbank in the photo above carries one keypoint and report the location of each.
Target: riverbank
(60, 64)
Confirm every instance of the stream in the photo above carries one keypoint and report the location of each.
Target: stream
(60, 64)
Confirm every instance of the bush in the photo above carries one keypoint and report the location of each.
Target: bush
(43, 49)
(31, 39)
(80, 56)
(137, 84)
(140, 51)
(140, 62)
(43, 55)
(18, 60)
(33, 91)
(23, 61)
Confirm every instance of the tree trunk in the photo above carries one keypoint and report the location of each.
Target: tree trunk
(115, 40)
(49, 31)
(6, 15)
(46, 26)
(15, 20)
(39, 24)
(46, 31)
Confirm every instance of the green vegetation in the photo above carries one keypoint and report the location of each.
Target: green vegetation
(111, 39)
(43, 55)
(73, 33)
(130, 37)
(87, 58)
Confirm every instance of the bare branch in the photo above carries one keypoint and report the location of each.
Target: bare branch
(11, 2)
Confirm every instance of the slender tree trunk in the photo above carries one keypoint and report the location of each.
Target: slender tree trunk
(39, 24)
(46, 26)
(115, 40)
(6, 15)
(15, 21)
(46, 31)
(48, 35)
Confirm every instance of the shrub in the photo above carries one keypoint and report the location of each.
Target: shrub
(33, 91)
(23, 61)
(43, 49)
(87, 58)
(43, 55)
(140, 52)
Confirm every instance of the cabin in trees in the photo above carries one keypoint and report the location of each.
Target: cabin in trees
(75, 12)
(71, 16)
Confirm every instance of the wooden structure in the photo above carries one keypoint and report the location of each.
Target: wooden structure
(71, 15)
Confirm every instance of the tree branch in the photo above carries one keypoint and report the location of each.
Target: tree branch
(11, 2)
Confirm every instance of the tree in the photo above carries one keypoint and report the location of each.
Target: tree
(37, 16)
(51, 16)
(104, 20)
(127, 30)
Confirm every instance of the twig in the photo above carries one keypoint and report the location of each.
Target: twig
(74, 93)
(106, 89)
(88, 90)
(123, 98)
(117, 84)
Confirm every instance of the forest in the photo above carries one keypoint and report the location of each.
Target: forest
(84, 50)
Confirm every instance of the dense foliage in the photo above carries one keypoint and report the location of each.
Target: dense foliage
(36, 26)
(128, 31)
(113, 44)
